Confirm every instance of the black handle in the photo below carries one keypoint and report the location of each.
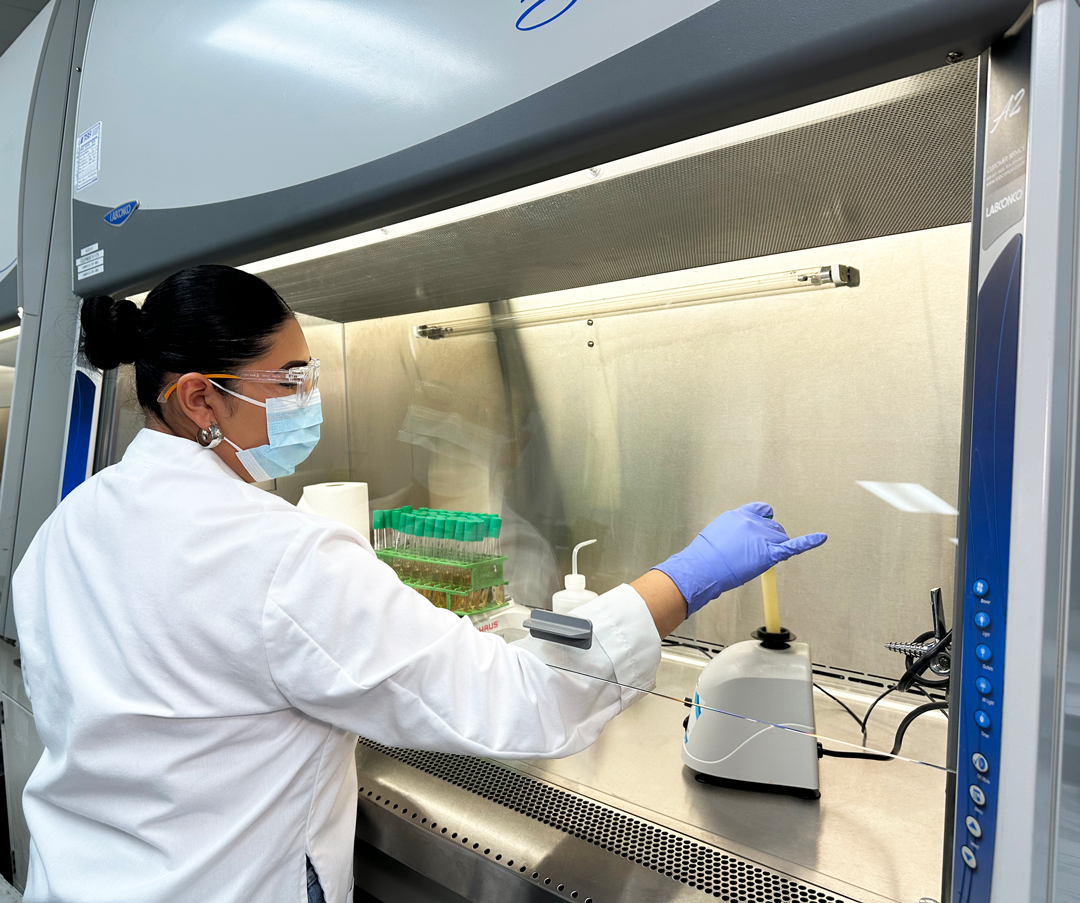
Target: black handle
(556, 628)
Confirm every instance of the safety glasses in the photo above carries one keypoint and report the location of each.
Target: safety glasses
(302, 380)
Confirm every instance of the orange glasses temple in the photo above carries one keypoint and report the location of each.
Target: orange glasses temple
(172, 388)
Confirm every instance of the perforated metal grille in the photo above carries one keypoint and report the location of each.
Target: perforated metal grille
(900, 163)
(709, 870)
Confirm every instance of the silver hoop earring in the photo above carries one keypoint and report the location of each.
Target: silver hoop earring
(210, 437)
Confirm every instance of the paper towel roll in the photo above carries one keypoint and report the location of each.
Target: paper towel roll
(345, 502)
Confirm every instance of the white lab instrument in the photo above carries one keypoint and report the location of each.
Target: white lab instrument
(761, 735)
(575, 594)
(773, 687)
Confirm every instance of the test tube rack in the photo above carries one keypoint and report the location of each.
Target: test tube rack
(450, 557)
(463, 587)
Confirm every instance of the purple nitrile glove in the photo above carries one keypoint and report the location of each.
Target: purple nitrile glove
(734, 549)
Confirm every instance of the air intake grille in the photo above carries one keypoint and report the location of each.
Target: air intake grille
(902, 162)
(715, 873)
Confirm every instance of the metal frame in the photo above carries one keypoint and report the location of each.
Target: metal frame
(34, 452)
(1041, 561)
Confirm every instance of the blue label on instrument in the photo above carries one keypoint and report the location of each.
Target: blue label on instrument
(119, 215)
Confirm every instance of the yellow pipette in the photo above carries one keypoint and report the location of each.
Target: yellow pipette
(772, 606)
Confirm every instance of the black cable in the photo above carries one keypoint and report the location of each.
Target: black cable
(911, 716)
(841, 754)
(841, 703)
(929, 696)
(668, 641)
(898, 739)
(866, 717)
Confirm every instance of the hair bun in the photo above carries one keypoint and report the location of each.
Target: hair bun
(112, 331)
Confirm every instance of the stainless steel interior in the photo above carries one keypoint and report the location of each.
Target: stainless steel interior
(877, 826)
(637, 430)
(875, 834)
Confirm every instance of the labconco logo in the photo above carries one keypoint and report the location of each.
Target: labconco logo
(119, 215)
(1006, 201)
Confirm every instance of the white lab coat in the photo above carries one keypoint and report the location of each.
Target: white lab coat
(200, 656)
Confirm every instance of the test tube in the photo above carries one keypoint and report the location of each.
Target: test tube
(395, 528)
(472, 537)
(481, 537)
(439, 540)
(429, 545)
(399, 542)
(772, 607)
(376, 529)
(459, 539)
(463, 553)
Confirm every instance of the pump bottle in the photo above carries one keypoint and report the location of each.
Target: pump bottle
(575, 594)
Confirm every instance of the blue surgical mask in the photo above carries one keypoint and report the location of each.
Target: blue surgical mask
(293, 432)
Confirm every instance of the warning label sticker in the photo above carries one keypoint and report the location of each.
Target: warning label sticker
(87, 157)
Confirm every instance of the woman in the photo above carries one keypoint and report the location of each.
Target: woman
(201, 654)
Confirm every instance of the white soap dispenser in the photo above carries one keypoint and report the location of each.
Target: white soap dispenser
(575, 594)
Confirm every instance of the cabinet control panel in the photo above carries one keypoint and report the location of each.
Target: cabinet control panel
(983, 593)
(986, 572)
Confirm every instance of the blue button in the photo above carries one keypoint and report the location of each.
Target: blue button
(977, 795)
(983, 652)
(982, 719)
(968, 855)
(984, 686)
(982, 619)
(973, 826)
(980, 763)
(980, 588)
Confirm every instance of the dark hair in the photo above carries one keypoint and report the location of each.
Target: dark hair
(205, 319)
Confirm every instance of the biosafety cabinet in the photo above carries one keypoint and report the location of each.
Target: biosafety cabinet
(605, 270)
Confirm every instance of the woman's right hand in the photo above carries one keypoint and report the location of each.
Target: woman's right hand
(734, 549)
